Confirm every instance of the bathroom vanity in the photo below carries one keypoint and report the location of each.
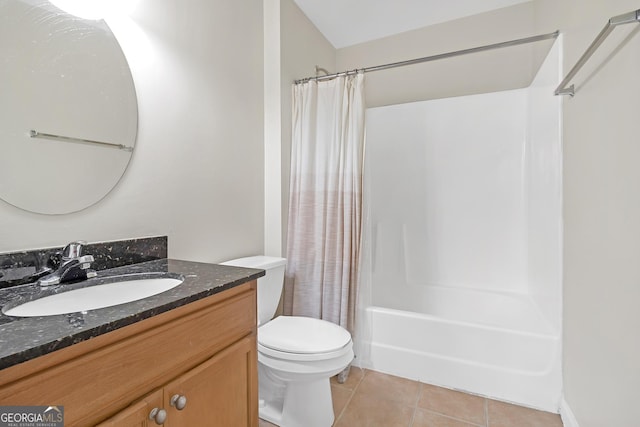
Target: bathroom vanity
(185, 357)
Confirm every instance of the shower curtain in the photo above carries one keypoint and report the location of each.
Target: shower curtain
(325, 198)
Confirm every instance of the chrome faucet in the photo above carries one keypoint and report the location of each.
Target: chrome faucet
(73, 266)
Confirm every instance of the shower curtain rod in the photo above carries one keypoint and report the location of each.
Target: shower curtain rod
(500, 45)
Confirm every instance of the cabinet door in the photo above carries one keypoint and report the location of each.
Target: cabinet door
(220, 392)
(136, 415)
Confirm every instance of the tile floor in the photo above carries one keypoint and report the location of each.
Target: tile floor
(372, 399)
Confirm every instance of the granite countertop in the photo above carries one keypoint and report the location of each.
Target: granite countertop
(25, 338)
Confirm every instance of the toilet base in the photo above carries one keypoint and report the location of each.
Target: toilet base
(295, 386)
(306, 403)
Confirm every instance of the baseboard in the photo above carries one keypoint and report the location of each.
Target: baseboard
(568, 419)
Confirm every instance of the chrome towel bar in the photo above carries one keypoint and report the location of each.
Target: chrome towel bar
(36, 134)
(625, 18)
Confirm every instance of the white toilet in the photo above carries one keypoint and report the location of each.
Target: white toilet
(296, 355)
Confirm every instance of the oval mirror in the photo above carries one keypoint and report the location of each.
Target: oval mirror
(68, 108)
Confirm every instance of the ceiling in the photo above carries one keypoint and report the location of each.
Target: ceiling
(348, 22)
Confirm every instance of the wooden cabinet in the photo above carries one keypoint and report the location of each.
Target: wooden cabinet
(204, 351)
(137, 415)
(214, 393)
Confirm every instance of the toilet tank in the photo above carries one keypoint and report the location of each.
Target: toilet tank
(269, 286)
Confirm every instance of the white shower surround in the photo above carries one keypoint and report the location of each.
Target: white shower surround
(464, 242)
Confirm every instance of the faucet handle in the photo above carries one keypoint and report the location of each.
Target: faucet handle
(85, 259)
(73, 249)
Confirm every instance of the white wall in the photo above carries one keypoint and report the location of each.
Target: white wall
(197, 170)
(601, 215)
(272, 131)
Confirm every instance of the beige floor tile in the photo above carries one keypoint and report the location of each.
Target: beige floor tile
(389, 387)
(424, 418)
(506, 415)
(263, 423)
(368, 411)
(374, 399)
(340, 397)
(355, 376)
(462, 406)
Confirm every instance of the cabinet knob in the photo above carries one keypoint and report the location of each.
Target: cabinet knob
(179, 401)
(158, 415)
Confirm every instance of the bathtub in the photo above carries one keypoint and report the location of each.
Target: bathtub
(489, 343)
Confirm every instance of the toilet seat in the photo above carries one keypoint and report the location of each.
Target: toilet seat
(303, 338)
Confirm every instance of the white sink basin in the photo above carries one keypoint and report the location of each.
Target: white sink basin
(93, 297)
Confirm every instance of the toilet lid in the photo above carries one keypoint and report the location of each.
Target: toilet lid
(305, 335)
